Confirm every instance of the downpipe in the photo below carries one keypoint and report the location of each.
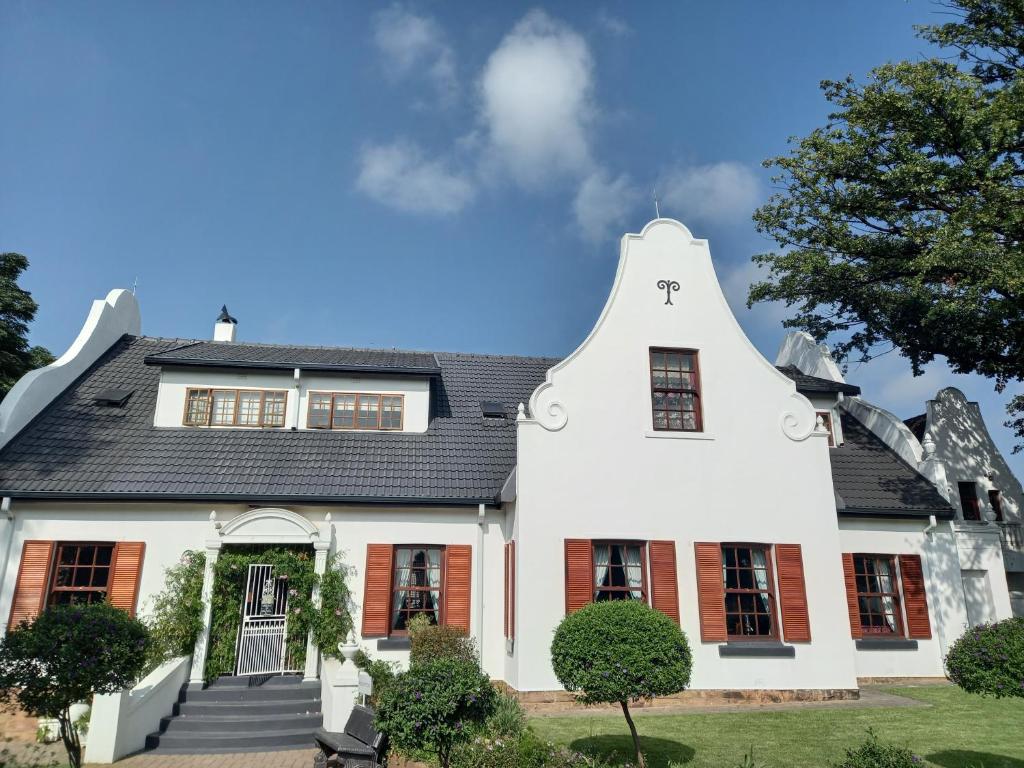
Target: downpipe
(8, 514)
(481, 522)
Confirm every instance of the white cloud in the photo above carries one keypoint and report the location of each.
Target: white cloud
(401, 176)
(721, 192)
(415, 46)
(603, 204)
(536, 92)
(613, 25)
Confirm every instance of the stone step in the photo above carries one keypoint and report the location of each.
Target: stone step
(305, 722)
(309, 690)
(253, 708)
(255, 681)
(199, 743)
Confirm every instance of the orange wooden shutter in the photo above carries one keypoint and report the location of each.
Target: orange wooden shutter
(579, 574)
(856, 630)
(458, 572)
(914, 600)
(377, 590)
(30, 588)
(664, 584)
(796, 623)
(710, 592)
(125, 572)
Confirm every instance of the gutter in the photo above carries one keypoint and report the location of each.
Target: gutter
(249, 498)
(407, 370)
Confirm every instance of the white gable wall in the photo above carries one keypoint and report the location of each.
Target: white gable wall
(591, 466)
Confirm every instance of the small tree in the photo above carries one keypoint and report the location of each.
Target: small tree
(621, 651)
(68, 654)
(435, 706)
(989, 659)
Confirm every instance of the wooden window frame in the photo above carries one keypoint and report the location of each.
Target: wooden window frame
(442, 607)
(697, 393)
(995, 500)
(897, 596)
(645, 592)
(238, 394)
(52, 590)
(355, 421)
(826, 417)
(974, 502)
(773, 601)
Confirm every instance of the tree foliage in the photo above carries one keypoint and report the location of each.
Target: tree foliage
(68, 654)
(17, 310)
(621, 651)
(901, 221)
(989, 659)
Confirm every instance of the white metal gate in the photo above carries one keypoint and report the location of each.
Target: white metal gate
(262, 638)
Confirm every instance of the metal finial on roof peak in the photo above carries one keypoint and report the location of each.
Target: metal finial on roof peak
(224, 316)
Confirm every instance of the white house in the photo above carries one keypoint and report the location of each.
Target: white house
(764, 507)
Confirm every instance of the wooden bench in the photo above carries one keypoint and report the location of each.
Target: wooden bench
(361, 745)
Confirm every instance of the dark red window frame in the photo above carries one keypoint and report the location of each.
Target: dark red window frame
(614, 588)
(869, 589)
(666, 391)
(76, 580)
(740, 592)
(418, 588)
(969, 502)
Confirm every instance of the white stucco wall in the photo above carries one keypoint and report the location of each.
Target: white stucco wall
(590, 466)
(940, 563)
(175, 382)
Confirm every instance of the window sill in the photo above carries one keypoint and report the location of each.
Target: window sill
(886, 644)
(757, 649)
(394, 644)
(670, 435)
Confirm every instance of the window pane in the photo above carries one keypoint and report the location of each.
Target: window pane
(197, 410)
(417, 586)
(344, 412)
(675, 390)
(391, 412)
(274, 404)
(319, 416)
(249, 408)
(369, 406)
(223, 407)
(748, 604)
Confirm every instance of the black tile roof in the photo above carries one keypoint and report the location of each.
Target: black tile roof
(222, 354)
(872, 480)
(805, 383)
(76, 448)
(917, 424)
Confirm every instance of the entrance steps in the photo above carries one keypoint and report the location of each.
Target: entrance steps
(241, 714)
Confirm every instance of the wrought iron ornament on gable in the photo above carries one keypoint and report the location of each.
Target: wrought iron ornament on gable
(668, 286)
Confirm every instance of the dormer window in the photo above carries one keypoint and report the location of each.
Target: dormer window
(350, 410)
(235, 408)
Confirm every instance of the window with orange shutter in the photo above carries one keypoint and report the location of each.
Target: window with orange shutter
(417, 586)
(81, 573)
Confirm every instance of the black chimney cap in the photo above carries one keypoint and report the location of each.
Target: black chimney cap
(224, 317)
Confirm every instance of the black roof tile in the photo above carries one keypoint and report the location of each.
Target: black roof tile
(805, 383)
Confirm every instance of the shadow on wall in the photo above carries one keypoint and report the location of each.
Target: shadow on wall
(965, 758)
(660, 753)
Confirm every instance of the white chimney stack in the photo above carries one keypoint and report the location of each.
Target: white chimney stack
(224, 328)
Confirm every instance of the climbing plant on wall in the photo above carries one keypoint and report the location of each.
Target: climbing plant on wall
(329, 624)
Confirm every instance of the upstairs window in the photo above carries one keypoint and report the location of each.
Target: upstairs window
(878, 595)
(675, 390)
(749, 591)
(619, 571)
(235, 408)
(996, 500)
(826, 419)
(969, 503)
(348, 410)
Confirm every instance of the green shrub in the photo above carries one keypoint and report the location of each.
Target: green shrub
(989, 659)
(621, 651)
(431, 641)
(381, 672)
(507, 719)
(523, 751)
(874, 754)
(435, 705)
(176, 616)
(68, 654)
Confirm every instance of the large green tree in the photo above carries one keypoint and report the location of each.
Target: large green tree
(17, 310)
(900, 223)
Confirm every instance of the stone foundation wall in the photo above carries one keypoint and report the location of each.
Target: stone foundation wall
(902, 681)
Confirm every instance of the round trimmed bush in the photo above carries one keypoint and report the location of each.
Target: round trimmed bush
(621, 651)
(435, 706)
(989, 659)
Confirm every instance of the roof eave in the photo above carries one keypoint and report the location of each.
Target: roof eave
(889, 512)
(277, 366)
(260, 499)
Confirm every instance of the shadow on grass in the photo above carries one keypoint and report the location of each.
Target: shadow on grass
(965, 758)
(659, 752)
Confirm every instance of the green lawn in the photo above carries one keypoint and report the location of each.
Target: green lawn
(957, 730)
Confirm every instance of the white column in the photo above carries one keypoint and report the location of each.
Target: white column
(344, 687)
(203, 641)
(312, 652)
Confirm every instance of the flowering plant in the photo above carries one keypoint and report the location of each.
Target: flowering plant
(989, 659)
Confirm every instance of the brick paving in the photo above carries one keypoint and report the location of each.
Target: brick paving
(291, 758)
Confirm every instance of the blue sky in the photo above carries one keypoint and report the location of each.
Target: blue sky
(421, 175)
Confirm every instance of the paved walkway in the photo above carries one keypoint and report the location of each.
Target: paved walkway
(291, 758)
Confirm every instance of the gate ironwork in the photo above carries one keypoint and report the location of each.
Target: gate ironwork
(263, 636)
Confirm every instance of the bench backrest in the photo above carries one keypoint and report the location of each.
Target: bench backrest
(360, 726)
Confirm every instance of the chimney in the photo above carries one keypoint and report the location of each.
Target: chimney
(224, 328)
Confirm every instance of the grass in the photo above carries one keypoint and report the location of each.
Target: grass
(956, 730)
